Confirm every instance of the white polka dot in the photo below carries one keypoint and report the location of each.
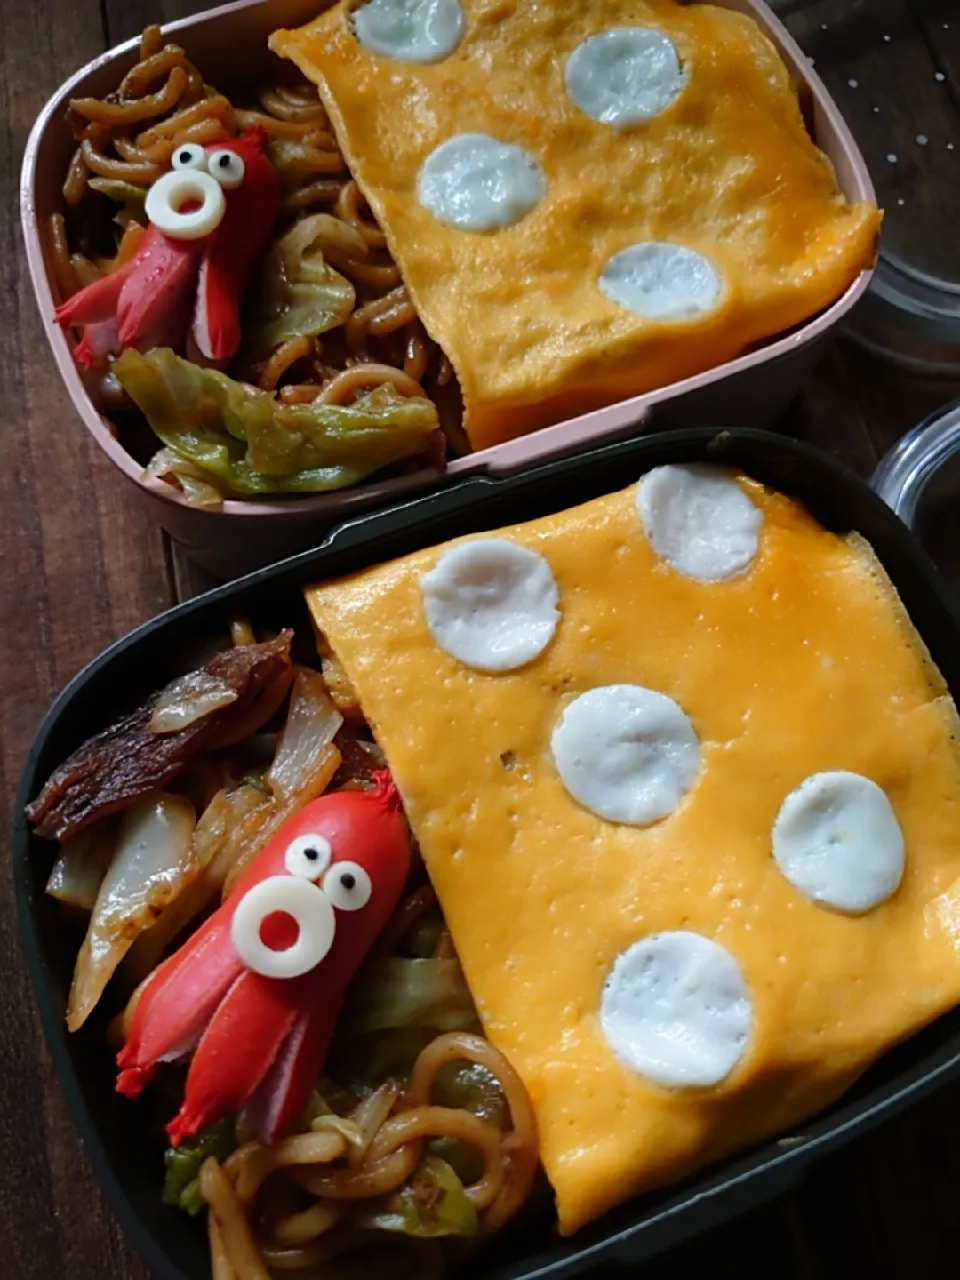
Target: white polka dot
(699, 520)
(491, 604)
(409, 30)
(478, 183)
(661, 281)
(626, 753)
(837, 840)
(624, 76)
(676, 1010)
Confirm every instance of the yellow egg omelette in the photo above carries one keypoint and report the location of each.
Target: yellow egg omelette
(801, 663)
(725, 169)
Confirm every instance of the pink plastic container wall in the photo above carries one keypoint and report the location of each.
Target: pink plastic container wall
(229, 44)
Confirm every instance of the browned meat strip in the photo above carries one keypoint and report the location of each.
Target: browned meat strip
(360, 758)
(127, 761)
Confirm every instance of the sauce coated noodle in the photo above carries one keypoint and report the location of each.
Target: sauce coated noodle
(163, 102)
(395, 1124)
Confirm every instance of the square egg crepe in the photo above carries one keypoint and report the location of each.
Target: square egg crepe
(679, 211)
(677, 924)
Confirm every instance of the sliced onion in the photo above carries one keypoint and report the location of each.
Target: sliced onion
(187, 699)
(81, 865)
(303, 767)
(151, 866)
(242, 727)
(225, 828)
(223, 824)
(312, 724)
(313, 784)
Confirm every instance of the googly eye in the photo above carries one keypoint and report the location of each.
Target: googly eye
(227, 167)
(308, 856)
(347, 886)
(190, 156)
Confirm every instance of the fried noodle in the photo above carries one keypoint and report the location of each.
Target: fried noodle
(376, 1149)
(394, 1125)
(163, 102)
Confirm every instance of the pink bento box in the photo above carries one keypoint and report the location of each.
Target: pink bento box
(229, 44)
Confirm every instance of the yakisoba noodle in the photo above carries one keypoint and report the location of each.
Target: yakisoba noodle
(130, 137)
(392, 1127)
(311, 1196)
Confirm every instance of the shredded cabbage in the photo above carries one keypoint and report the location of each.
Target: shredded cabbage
(365, 1062)
(468, 1086)
(118, 190)
(183, 1164)
(432, 1203)
(396, 992)
(249, 442)
(423, 935)
(131, 198)
(295, 293)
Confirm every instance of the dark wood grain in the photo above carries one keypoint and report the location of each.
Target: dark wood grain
(80, 565)
(126, 18)
(78, 568)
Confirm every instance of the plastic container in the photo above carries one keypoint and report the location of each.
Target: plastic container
(910, 318)
(920, 479)
(130, 1169)
(229, 43)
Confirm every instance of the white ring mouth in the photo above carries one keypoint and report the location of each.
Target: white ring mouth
(312, 913)
(170, 195)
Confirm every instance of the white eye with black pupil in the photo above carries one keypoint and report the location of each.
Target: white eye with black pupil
(190, 156)
(227, 167)
(308, 856)
(347, 886)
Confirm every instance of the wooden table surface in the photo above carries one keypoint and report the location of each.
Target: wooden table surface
(80, 565)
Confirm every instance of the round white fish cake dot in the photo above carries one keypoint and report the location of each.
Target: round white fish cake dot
(626, 753)
(837, 840)
(624, 76)
(676, 1010)
(661, 281)
(409, 30)
(478, 183)
(491, 604)
(698, 519)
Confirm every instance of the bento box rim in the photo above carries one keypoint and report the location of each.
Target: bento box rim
(581, 432)
(780, 1168)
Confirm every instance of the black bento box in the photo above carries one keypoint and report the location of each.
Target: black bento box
(127, 1162)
